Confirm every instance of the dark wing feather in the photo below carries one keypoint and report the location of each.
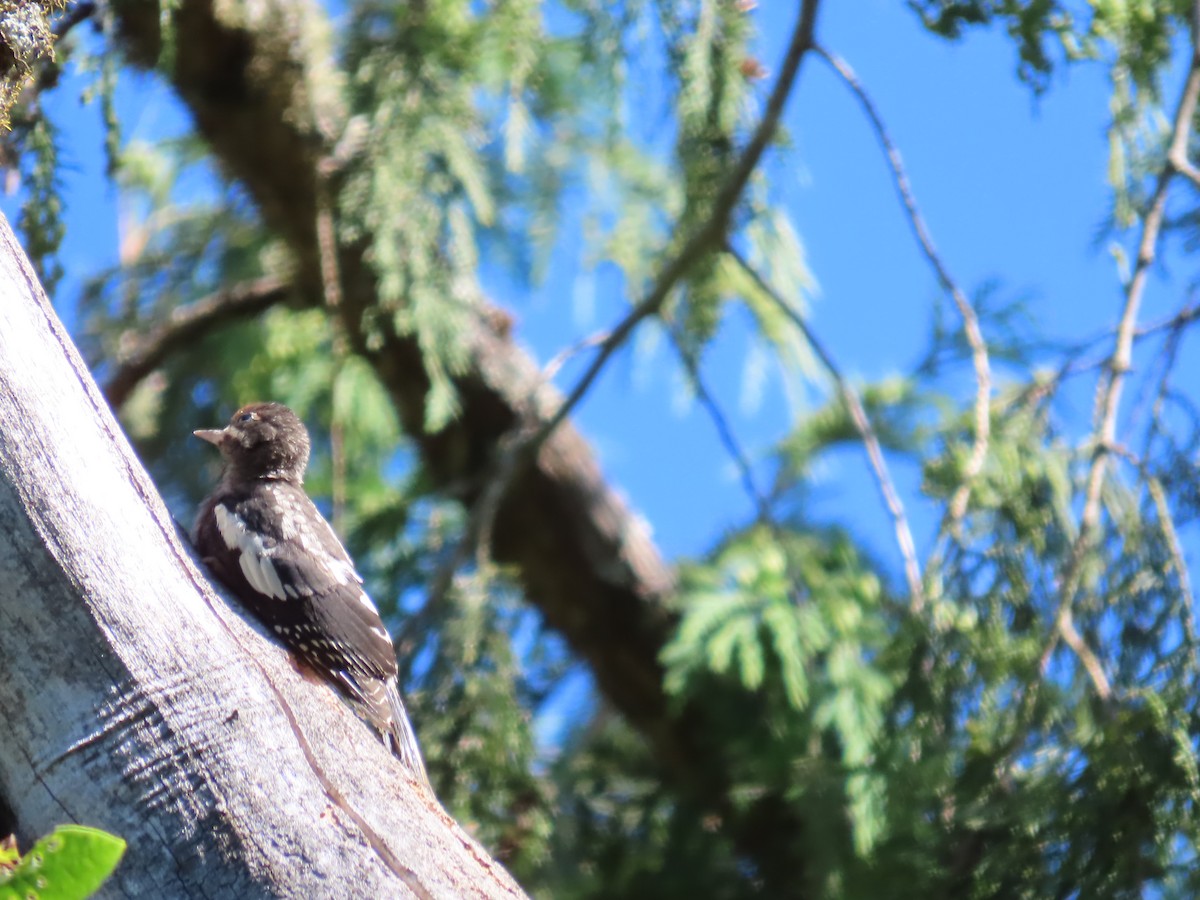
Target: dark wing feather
(273, 548)
(276, 552)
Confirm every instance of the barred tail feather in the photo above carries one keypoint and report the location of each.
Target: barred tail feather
(401, 737)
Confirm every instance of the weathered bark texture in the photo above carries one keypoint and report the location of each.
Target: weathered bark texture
(133, 698)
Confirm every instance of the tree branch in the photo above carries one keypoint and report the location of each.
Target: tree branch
(979, 353)
(1112, 385)
(141, 353)
(711, 233)
(725, 431)
(862, 424)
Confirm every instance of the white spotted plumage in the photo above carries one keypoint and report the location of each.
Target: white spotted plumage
(254, 556)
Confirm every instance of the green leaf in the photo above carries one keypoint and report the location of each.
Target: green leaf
(71, 862)
(783, 625)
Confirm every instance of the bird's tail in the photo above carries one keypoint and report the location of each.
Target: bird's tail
(401, 737)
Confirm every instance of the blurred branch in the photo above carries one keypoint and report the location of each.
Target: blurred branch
(1158, 495)
(724, 430)
(1113, 382)
(974, 335)
(1074, 364)
(709, 236)
(862, 424)
(78, 13)
(140, 353)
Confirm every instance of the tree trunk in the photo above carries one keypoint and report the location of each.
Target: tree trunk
(135, 699)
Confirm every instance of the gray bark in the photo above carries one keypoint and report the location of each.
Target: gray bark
(135, 699)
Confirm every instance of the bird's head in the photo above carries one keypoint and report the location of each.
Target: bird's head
(262, 440)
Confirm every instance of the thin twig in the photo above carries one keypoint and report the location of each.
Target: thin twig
(979, 353)
(139, 354)
(712, 232)
(331, 284)
(1074, 364)
(724, 430)
(1184, 317)
(1166, 522)
(862, 424)
(550, 370)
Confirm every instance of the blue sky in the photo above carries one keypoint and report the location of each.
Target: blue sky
(1012, 187)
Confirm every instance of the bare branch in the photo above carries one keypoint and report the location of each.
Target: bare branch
(866, 433)
(1184, 317)
(712, 232)
(1112, 385)
(974, 335)
(724, 430)
(139, 354)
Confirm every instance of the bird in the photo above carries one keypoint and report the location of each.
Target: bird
(265, 540)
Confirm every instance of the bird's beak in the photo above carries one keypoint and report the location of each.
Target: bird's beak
(213, 435)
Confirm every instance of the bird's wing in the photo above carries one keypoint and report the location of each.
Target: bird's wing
(279, 555)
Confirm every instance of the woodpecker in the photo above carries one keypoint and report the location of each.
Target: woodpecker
(264, 539)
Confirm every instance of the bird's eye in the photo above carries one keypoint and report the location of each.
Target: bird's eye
(247, 417)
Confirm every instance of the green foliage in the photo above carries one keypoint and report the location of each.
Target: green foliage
(708, 51)
(41, 222)
(474, 702)
(1032, 25)
(424, 187)
(894, 407)
(70, 863)
(811, 657)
